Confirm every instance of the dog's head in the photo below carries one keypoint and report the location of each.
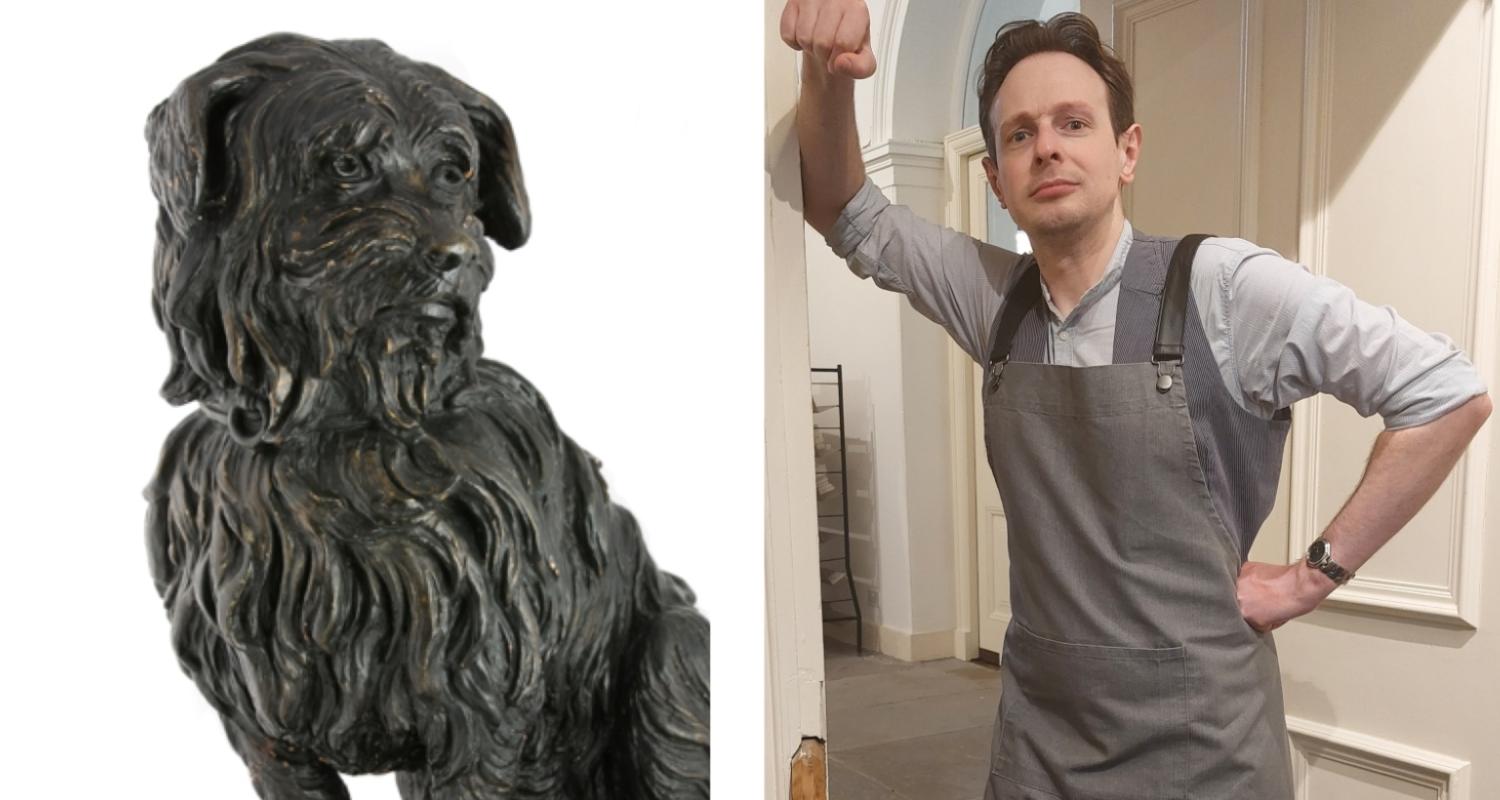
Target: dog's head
(320, 249)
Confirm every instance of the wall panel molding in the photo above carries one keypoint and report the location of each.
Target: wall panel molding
(1312, 249)
(1445, 776)
(1484, 328)
(1455, 601)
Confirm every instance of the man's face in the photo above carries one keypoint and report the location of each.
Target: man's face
(1060, 167)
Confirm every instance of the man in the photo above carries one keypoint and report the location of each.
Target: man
(1139, 660)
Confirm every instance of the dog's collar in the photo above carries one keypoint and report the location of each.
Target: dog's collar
(246, 421)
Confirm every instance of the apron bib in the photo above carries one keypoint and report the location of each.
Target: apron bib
(1128, 671)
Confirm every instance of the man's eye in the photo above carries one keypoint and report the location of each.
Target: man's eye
(347, 167)
(1077, 122)
(1015, 137)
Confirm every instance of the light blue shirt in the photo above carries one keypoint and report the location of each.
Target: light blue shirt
(1278, 332)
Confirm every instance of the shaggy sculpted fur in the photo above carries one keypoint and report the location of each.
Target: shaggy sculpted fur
(377, 550)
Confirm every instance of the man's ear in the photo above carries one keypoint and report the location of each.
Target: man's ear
(1129, 148)
(992, 177)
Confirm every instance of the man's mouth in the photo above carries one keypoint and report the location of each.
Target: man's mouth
(1053, 188)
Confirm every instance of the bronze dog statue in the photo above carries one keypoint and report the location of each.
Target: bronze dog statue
(377, 550)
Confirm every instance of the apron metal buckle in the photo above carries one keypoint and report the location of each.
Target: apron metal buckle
(1164, 376)
(996, 368)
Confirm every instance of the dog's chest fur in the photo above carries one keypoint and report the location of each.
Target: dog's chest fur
(384, 599)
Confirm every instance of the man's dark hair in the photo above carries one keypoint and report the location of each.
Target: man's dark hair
(1069, 33)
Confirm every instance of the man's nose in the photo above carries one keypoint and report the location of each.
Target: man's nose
(1046, 142)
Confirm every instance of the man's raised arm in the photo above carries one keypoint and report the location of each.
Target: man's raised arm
(834, 37)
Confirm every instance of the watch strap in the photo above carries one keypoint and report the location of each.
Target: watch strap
(1337, 573)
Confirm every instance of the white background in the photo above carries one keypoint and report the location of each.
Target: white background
(636, 308)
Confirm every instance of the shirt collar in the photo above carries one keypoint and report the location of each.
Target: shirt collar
(1108, 281)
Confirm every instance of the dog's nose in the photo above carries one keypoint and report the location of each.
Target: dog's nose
(449, 256)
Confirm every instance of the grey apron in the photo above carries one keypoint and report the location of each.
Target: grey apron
(1128, 671)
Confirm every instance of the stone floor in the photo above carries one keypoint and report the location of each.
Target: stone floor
(903, 731)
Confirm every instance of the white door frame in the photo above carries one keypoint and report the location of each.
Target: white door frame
(963, 429)
(794, 707)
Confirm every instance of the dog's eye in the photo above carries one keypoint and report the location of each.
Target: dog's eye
(347, 167)
(449, 175)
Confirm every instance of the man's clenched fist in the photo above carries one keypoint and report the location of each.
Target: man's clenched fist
(835, 32)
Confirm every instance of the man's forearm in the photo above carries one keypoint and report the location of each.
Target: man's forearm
(832, 169)
(1405, 469)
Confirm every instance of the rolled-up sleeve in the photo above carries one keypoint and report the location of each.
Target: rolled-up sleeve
(1296, 334)
(950, 278)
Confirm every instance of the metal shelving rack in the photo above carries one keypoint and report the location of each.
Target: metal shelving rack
(835, 526)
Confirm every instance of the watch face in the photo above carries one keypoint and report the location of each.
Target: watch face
(1318, 551)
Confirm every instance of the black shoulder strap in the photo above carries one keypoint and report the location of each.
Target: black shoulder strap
(1024, 295)
(1173, 315)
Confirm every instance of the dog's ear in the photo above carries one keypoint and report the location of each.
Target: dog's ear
(191, 134)
(193, 174)
(503, 206)
(194, 177)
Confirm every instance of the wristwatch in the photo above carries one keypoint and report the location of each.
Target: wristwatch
(1320, 557)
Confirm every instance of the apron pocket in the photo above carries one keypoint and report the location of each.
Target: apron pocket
(1090, 721)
